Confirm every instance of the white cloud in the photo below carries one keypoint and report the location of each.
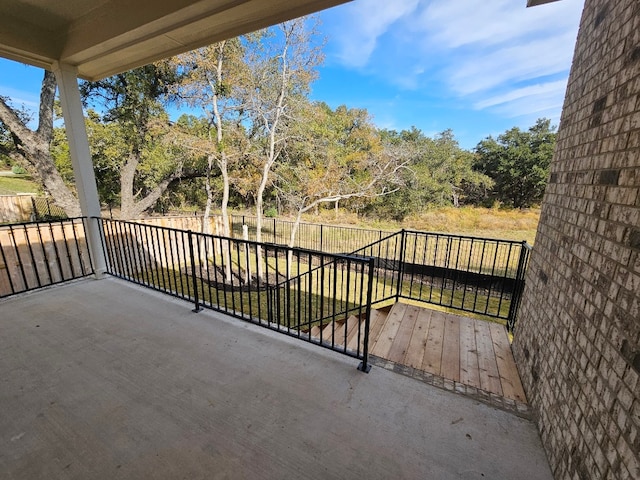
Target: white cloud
(494, 54)
(541, 89)
(20, 98)
(482, 23)
(504, 66)
(361, 24)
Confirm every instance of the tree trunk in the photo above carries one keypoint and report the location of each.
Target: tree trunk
(127, 175)
(130, 208)
(225, 196)
(44, 170)
(226, 231)
(292, 241)
(206, 224)
(259, 232)
(33, 147)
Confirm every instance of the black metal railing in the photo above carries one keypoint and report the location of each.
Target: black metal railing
(479, 275)
(44, 210)
(312, 236)
(294, 291)
(38, 254)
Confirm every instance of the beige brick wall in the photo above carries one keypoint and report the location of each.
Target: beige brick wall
(577, 341)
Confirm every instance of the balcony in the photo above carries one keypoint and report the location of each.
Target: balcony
(108, 379)
(105, 379)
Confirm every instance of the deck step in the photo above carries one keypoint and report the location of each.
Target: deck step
(327, 332)
(473, 352)
(333, 333)
(353, 327)
(378, 317)
(381, 345)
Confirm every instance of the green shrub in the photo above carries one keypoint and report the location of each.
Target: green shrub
(18, 170)
(271, 212)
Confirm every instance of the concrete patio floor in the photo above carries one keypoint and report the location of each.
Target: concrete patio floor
(107, 380)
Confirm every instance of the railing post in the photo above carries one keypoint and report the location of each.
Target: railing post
(518, 287)
(270, 294)
(193, 273)
(364, 365)
(34, 210)
(274, 231)
(403, 238)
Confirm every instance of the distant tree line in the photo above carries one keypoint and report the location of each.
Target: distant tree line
(254, 139)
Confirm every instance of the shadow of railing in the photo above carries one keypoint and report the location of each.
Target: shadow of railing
(38, 254)
(281, 288)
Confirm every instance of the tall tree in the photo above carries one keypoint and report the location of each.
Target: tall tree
(452, 166)
(518, 162)
(282, 63)
(133, 102)
(438, 172)
(31, 148)
(211, 76)
(335, 156)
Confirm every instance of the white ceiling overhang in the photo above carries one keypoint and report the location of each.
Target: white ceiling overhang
(105, 37)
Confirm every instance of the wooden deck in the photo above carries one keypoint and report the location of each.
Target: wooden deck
(475, 353)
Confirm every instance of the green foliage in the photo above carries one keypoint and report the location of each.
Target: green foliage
(18, 170)
(439, 173)
(7, 145)
(61, 156)
(518, 162)
(271, 212)
(133, 164)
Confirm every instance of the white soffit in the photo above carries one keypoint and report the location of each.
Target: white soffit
(104, 37)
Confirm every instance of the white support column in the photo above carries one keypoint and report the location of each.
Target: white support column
(67, 77)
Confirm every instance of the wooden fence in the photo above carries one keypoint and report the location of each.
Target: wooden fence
(15, 208)
(34, 255)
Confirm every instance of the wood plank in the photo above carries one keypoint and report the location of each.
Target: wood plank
(375, 325)
(357, 335)
(327, 331)
(469, 374)
(353, 324)
(389, 330)
(418, 342)
(451, 349)
(315, 331)
(338, 334)
(509, 377)
(432, 361)
(400, 344)
(487, 366)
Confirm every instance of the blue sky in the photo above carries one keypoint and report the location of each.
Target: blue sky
(478, 67)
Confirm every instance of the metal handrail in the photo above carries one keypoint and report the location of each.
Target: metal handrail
(39, 254)
(274, 286)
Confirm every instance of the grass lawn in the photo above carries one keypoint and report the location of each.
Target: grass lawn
(314, 294)
(506, 224)
(338, 297)
(12, 185)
